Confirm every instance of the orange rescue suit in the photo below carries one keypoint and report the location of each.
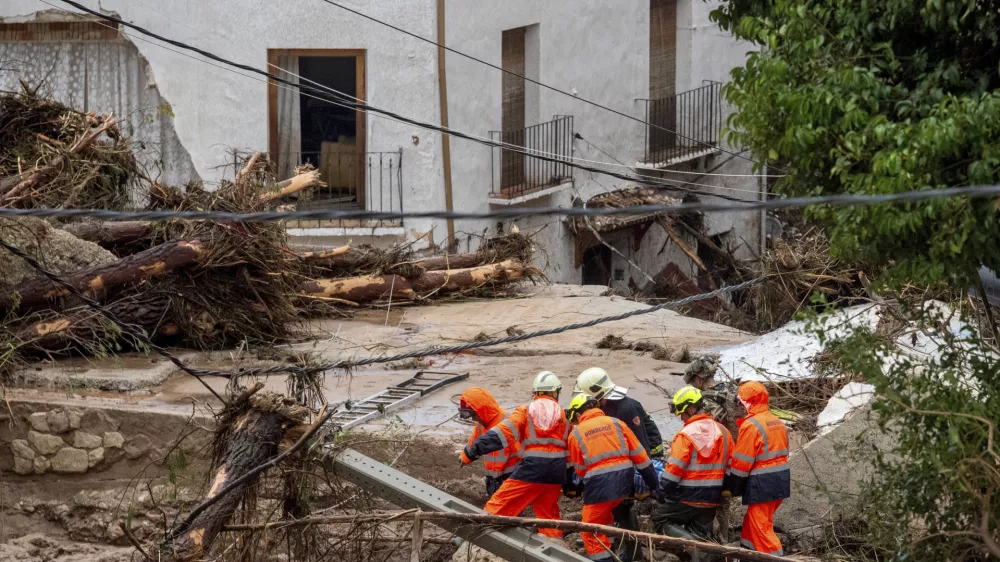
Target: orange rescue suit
(605, 454)
(498, 464)
(696, 468)
(540, 429)
(759, 469)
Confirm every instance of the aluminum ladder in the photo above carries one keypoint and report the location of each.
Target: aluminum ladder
(393, 398)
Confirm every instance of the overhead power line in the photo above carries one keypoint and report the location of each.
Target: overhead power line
(345, 101)
(536, 82)
(840, 200)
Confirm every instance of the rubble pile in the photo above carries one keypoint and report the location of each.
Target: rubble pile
(202, 284)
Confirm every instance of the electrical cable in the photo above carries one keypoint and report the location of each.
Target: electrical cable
(536, 82)
(344, 99)
(839, 200)
(438, 350)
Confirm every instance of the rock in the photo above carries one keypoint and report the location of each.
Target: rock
(97, 422)
(41, 465)
(70, 460)
(44, 443)
(60, 251)
(58, 421)
(138, 446)
(95, 457)
(75, 417)
(113, 532)
(20, 448)
(84, 440)
(23, 466)
(113, 440)
(38, 423)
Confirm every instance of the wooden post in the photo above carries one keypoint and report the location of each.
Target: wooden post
(445, 138)
(418, 538)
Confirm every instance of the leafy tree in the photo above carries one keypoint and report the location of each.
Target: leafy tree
(876, 97)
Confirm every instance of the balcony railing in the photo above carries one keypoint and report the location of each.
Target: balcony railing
(683, 126)
(516, 174)
(383, 182)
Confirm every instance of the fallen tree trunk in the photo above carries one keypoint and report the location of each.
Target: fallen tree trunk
(79, 327)
(485, 519)
(370, 288)
(109, 234)
(449, 261)
(94, 282)
(253, 443)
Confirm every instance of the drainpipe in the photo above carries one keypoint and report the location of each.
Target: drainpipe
(763, 212)
(445, 139)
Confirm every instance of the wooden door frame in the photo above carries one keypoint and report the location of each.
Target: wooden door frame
(361, 128)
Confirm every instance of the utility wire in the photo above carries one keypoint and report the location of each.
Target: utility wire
(438, 350)
(840, 200)
(345, 100)
(129, 329)
(536, 82)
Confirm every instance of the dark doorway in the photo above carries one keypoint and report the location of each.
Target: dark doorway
(597, 265)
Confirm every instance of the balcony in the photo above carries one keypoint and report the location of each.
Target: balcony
(382, 179)
(518, 177)
(683, 127)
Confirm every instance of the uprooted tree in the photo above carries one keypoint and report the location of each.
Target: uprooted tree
(884, 97)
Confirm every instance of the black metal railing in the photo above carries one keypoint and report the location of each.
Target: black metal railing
(383, 181)
(515, 174)
(683, 125)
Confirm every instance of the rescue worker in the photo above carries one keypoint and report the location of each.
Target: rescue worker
(540, 429)
(605, 454)
(478, 405)
(720, 402)
(691, 485)
(759, 469)
(596, 382)
(720, 397)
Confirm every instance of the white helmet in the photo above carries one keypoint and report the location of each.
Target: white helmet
(594, 382)
(546, 381)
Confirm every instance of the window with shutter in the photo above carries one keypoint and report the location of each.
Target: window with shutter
(512, 111)
(662, 72)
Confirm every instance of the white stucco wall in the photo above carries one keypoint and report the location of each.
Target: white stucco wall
(597, 49)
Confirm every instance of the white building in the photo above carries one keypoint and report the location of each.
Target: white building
(618, 53)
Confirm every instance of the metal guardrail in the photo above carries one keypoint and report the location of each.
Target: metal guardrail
(691, 123)
(513, 544)
(515, 174)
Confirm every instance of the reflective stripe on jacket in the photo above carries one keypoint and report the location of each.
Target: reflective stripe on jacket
(759, 468)
(696, 468)
(605, 454)
(498, 463)
(542, 451)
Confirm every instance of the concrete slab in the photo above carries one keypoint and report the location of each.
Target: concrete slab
(123, 373)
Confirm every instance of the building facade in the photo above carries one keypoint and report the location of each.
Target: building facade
(658, 61)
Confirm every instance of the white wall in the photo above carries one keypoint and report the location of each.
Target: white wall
(216, 109)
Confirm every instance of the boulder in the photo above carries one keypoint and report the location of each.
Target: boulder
(58, 421)
(95, 457)
(84, 440)
(44, 443)
(59, 251)
(22, 449)
(113, 440)
(38, 423)
(41, 465)
(138, 446)
(23, 466)
(827, 474)
(70, 460)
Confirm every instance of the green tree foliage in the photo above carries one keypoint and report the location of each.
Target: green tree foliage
(876, 97)
(936, 496)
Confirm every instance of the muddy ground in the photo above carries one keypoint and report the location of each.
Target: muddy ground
(74, 517)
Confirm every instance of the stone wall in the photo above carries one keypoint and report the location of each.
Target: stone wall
(73, 441)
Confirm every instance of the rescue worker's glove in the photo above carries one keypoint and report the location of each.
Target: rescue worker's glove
(573, 487)
(660, 496)
(727, 494)
(657, 452)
